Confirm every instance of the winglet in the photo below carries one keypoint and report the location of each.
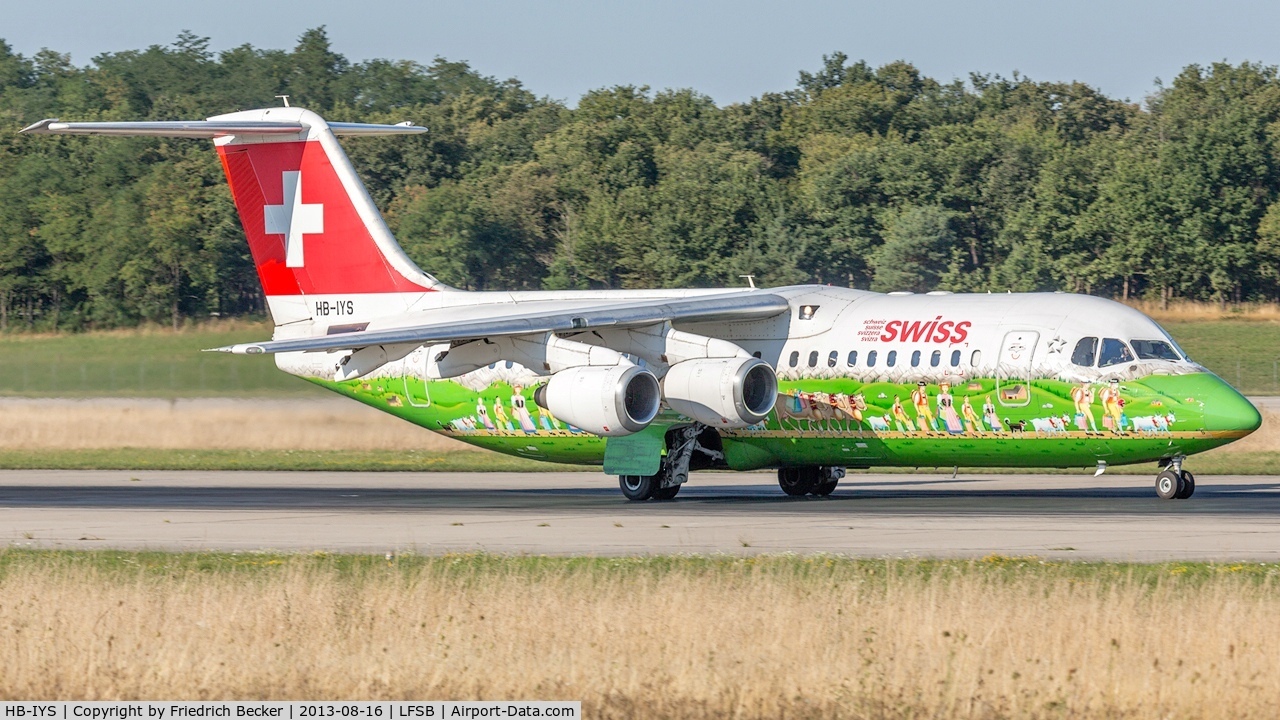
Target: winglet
(39, 128)
(238, 349)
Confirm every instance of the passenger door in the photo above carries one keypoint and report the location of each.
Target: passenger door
(1013, 372)
(415, 383)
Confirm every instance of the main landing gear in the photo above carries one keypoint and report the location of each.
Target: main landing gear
(646, 487)
(688, 447)
(1174, 483)
(817, 480)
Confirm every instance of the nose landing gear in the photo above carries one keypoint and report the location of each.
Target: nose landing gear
(1174, 483)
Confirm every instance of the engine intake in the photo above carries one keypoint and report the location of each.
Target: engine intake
(610, 401)
(722, 392)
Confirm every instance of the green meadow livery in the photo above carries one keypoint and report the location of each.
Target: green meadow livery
(653, 384)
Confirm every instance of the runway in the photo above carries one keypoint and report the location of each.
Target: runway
(872, 515)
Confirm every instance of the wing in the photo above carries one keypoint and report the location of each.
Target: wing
(210, 128)
(729, 307)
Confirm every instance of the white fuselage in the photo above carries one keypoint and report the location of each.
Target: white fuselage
(830, 332)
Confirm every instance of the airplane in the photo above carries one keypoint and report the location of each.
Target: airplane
(810, 380)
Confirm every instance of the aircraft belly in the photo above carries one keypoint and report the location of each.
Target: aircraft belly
(1046, 423)
(846, 422)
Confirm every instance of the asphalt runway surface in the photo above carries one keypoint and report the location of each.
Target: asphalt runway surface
(874, 515)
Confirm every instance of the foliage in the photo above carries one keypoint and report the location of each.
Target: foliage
(859, 176)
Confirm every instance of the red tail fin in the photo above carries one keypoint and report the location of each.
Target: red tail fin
(312, 228)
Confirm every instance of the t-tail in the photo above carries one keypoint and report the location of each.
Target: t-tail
(320, 245)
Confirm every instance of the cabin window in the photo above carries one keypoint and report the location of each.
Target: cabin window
(871, 359)
(935, 358)
(1085, 352)
(891, 358)
(493, 366)
(853, 358)
(1113, 352)
(831, 359)
(955, 358)
(509, 364)
(975, 358)
(813, 359)
(795, 358)
(1154, 350)
(915, 359)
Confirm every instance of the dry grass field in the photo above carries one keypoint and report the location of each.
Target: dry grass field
(651, 637)
(209, 423)
(1193, 311)
(772, 637)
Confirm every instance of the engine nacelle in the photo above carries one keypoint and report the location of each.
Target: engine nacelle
(722, 392)
(611, 401)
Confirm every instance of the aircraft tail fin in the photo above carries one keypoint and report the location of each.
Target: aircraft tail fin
(316, 236)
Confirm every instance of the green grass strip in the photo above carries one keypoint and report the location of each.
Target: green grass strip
(160, 363)
(1213, 463)
(349, 460)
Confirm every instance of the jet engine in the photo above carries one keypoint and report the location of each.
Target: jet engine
(611, 400)
(722, 392)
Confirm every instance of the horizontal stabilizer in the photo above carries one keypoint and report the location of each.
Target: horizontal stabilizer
(730, 307)
(210, 128)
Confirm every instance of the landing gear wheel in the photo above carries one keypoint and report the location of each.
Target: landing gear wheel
(666, 493)
(795, 482)
(1169, 485)
(638, 488)
(825, 489)
(1188, 486)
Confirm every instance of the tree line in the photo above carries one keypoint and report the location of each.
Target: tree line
(869, 177)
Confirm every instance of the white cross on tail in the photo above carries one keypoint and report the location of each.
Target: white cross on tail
(293, 219)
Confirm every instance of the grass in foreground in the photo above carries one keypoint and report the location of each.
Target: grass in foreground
(660, 637)
(1209, 464)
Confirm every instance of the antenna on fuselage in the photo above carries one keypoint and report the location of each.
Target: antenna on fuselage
(285, 98)
(751, 280)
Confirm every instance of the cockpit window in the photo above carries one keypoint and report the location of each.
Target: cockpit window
(1086, 352)
(1154, 350)
(1113, 352)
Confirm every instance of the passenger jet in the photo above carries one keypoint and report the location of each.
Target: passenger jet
(652, 384)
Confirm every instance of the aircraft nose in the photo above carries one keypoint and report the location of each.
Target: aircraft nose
(1227, 409)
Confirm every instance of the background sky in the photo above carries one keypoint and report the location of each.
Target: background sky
(731, 50)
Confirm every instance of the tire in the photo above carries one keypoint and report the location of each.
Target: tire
(1188, 486)
(825, 489)
(667, 493)
(1169, 485)
(795, 481)
(637, 488)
